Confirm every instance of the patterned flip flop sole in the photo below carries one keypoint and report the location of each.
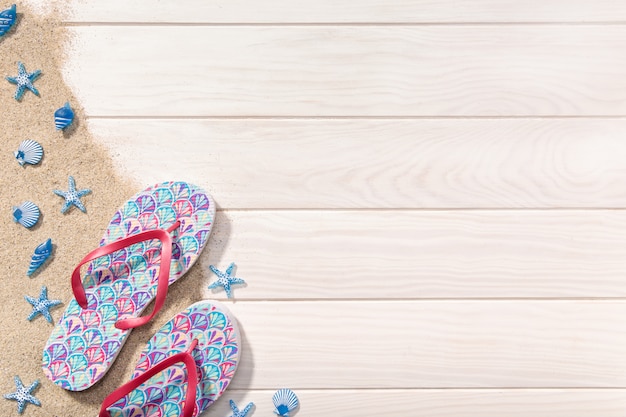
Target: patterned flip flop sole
(216, 357)
(85, 342)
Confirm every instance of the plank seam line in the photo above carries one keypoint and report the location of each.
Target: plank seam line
(336, 117)
(419, 209)
(413, 389)
(340, 24)
(428, 300)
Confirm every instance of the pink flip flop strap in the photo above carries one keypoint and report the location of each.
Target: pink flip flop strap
(162, 279)
(192, 382)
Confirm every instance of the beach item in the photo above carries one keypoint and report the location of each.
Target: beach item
(152, 240)
(72, 197)
(23, 395)
(225, 279)
(41, 305)
(27, 214)
(24, 81)
(7, 19)
(285, 401)
(242, 413)
(42, 253)
(63, 117)
(29, 152)
(191, 360)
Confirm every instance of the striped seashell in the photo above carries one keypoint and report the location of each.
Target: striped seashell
(7, 19)
(63, 117)
(29, 152)
(285, 402)
(42, 253)
(27, 214)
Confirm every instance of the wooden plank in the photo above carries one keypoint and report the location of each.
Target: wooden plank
(441, 403)
(408, 254)
(392, 163)
(432, 344)
(349, 71)
(346, 11)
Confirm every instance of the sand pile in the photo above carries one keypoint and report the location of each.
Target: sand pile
(38, 42)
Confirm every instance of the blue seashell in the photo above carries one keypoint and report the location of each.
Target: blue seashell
(42, 253)
(29, 152)
(285, 402)
(7, 19)
(63, 117)
(26, 214)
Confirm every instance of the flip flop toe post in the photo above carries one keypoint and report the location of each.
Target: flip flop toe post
(183, 369)
(151, 242)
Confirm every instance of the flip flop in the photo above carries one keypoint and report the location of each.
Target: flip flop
(151, 242)
(184, 368)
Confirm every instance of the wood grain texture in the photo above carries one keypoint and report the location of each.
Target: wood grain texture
(312, 164)
(349, 71)
(431, 344)
(346, 11)
(440, 403)
(416, 254)
(357, 298)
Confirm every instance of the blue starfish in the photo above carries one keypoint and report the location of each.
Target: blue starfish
(72, 197)
(41, 305)
(24, 80)
(242, 413)
(225, 279)
(23, 395)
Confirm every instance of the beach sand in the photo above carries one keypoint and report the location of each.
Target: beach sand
(38, 42)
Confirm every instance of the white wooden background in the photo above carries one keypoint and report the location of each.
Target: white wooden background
(426, 197)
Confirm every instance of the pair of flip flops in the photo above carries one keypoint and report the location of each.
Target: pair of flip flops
(150, 242)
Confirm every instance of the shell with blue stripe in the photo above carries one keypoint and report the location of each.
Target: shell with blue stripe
(7, 19)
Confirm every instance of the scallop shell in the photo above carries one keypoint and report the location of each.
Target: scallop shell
(26, 214)
(42, 253)
(285, 402)
(29, 152)
(7, 19)
(63, 117)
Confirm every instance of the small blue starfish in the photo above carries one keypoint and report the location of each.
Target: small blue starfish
(41, 305)
(72, 197)
(225, 279)
(242, 413)
(23, 395)
(24, 80)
